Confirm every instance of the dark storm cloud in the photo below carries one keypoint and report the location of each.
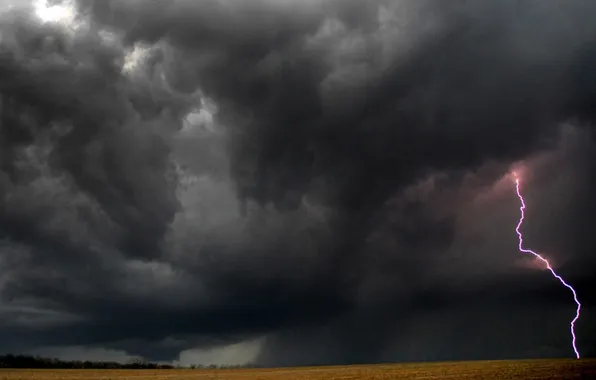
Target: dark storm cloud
(475, 85)
(69, 94)
(332, 183)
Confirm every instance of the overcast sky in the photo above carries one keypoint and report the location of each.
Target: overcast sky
(295, 182)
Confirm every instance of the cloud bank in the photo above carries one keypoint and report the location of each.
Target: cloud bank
(328, 178)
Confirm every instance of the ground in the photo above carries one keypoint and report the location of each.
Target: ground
(494, 370)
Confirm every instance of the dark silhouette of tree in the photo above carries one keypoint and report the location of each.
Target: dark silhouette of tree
(29, 361)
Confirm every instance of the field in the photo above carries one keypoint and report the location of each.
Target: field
(494, 370)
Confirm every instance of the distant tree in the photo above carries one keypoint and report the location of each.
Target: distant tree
(29, 361)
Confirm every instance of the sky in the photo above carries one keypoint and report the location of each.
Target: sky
(295, 183)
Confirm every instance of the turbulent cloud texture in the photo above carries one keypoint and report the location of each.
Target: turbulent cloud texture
(328, 179)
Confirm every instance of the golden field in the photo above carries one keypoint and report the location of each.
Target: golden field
(485, 370)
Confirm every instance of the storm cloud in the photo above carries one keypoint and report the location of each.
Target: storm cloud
(313, 182)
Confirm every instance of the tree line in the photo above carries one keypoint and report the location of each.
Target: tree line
(35, 362)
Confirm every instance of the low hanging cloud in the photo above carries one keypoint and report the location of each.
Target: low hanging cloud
(316, 176)
(85, 353)
(242, 353)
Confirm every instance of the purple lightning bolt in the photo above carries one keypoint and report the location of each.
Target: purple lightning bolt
(545, 261)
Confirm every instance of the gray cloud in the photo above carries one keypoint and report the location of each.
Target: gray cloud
(84, 353)
(214, 172)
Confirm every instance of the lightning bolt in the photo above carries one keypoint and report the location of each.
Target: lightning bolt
(545, 261)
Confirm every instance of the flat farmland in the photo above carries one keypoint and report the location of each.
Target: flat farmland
(494, 370)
